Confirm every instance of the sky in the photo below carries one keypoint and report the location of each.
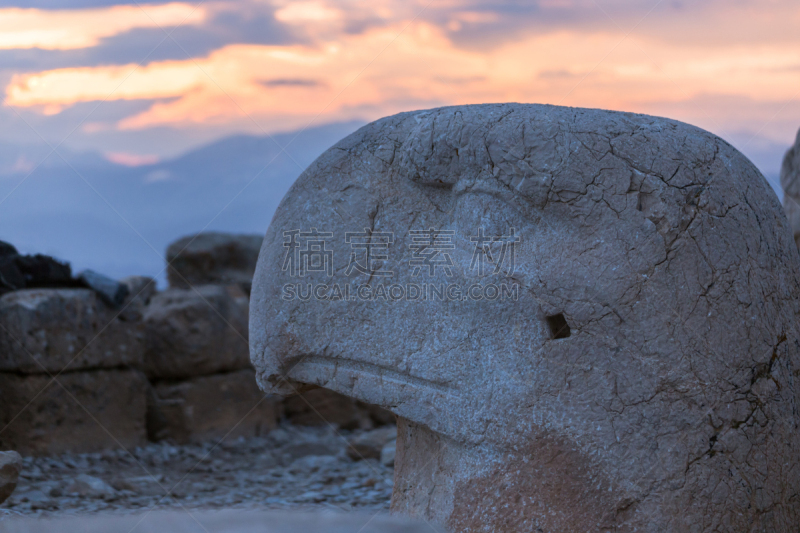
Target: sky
(143, 82)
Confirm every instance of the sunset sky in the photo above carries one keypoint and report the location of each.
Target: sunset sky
(143, 82)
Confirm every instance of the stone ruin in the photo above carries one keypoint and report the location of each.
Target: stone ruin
(641, 377)
(88, 363)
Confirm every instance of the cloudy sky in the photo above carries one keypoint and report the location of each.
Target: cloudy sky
(140, 82)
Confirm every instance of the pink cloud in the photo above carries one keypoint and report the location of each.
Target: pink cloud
(131, 160)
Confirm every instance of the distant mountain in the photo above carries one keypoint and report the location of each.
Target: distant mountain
(119, 220)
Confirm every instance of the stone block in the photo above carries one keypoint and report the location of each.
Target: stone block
(52, 330)
(79, 412)
(195, 332)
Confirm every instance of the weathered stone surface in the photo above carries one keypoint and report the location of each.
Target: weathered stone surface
(50, 330)
(642, 379)
(196, 332)
(211, 407)
(322, 407)
(213, 258)
(230, 521)
(790, 182)
(80, 412)
(10, 467)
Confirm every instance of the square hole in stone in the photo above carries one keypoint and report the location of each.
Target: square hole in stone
(559, 329)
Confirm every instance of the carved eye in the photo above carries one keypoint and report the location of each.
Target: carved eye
(559, 328)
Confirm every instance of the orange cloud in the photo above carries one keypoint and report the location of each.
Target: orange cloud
(385, 70)
(82, 28)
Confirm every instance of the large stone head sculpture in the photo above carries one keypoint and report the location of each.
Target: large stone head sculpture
(584, 320)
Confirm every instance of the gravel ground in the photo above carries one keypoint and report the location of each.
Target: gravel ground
(292, 467)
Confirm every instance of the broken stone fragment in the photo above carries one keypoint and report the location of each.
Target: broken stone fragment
(642, 360)
(10, 468)
(111, 291)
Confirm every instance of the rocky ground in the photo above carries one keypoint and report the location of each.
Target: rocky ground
(297, 467)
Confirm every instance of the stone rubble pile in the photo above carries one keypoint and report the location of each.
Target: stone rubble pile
(291, 467)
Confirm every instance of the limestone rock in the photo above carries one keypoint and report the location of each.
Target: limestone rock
(226, 405)
(606, 336)
(79, 412)
(10, 467)
(50, 330)
(213, 258)
(196, 332)
(369, 445)
(227, 521)
(790, 182)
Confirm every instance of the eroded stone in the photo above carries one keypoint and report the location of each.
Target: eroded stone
(641, 377)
